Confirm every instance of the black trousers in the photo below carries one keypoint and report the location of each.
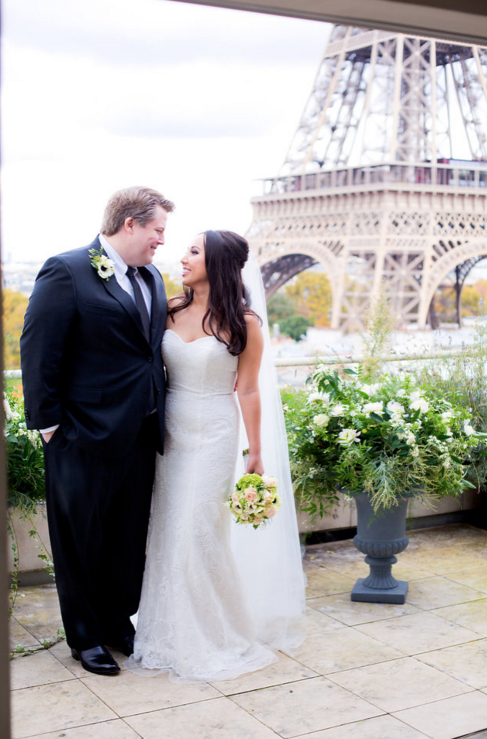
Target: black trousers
(98, 513)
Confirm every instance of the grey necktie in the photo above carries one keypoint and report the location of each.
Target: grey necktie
(139, 301)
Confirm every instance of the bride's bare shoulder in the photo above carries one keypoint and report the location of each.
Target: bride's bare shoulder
(175, 300)
(252, 318)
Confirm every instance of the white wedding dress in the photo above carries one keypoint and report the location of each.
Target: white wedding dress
(195, 619)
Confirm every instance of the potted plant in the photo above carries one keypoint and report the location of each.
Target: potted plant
(381, 444)
(26, 486)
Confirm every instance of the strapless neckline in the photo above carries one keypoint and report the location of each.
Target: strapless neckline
(188, 342)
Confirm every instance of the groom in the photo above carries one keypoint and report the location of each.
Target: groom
(94, 387)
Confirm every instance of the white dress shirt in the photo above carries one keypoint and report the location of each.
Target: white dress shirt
(121, 276)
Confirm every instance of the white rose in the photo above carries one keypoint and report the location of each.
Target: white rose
(447, 416)
(395, 408)
(321, 419)
(348, 436)
(324, 397)
(337, 410)
(373, 407)
(400, 393)
(415, 396)
(420, 405)
(468, 429)
(269, 482)
(367, 389)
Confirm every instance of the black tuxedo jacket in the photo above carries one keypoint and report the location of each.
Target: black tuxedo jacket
(86, 363)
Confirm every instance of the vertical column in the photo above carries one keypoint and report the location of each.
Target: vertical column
(381, 249)
(397, 96)
(4, 582)
(430, 233)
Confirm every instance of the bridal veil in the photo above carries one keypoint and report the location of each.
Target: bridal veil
(269, 558)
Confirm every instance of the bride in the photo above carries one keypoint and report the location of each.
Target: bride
(217, 598)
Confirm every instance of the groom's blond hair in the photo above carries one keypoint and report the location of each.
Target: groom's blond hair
(139, 203)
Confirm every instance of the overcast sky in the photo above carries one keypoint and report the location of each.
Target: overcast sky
(102, 94)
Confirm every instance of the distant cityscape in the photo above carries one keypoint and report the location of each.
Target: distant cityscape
(20, 276)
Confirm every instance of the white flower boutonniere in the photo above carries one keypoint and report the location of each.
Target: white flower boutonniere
(103, 265)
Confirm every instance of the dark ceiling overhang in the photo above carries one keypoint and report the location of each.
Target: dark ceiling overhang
(465, 20)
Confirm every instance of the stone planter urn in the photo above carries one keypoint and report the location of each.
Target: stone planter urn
(380, 536)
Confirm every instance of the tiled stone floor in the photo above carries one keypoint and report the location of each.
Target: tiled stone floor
(365, 671)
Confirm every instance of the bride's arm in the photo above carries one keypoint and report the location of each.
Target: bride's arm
(248, 391)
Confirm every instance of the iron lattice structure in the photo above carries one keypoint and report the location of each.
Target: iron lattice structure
(386, 177)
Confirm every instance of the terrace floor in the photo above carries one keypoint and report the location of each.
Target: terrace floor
(365, 671)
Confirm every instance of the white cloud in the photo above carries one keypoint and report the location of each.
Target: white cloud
(133, 31)
(99, 95)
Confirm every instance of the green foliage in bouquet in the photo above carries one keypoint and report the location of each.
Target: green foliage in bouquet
(250, 480)
(389, 439)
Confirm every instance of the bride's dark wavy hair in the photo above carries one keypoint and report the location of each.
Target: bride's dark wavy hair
(225, 256)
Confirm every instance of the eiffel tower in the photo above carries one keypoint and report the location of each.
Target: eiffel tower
(385, 180)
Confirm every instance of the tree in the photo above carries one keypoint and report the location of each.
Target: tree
(279, 307)
(311, 294)
(473, 301)
(14, 307)
(474, 298)
(172, 288)
(295, 326)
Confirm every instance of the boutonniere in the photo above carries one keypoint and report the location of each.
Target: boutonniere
(103, 265)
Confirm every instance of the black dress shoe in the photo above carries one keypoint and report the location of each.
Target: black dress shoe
(124, 645)
(96, 660)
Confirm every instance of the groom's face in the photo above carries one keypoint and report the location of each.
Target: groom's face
(144, 240)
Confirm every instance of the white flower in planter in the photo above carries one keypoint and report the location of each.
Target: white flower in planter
(369, 389)
(348, 436)
(321, 419)
(373, 407)
(420, 405)
(468, 429)
(447, 416)
(395, 408)
(10, 415)
(324, 397)
(337, 410)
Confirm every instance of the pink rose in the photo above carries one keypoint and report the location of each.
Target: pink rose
(268, 496)
(270, 511)
(235, 497)
(250, 494)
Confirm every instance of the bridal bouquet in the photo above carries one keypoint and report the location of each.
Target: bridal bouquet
(254, 500)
